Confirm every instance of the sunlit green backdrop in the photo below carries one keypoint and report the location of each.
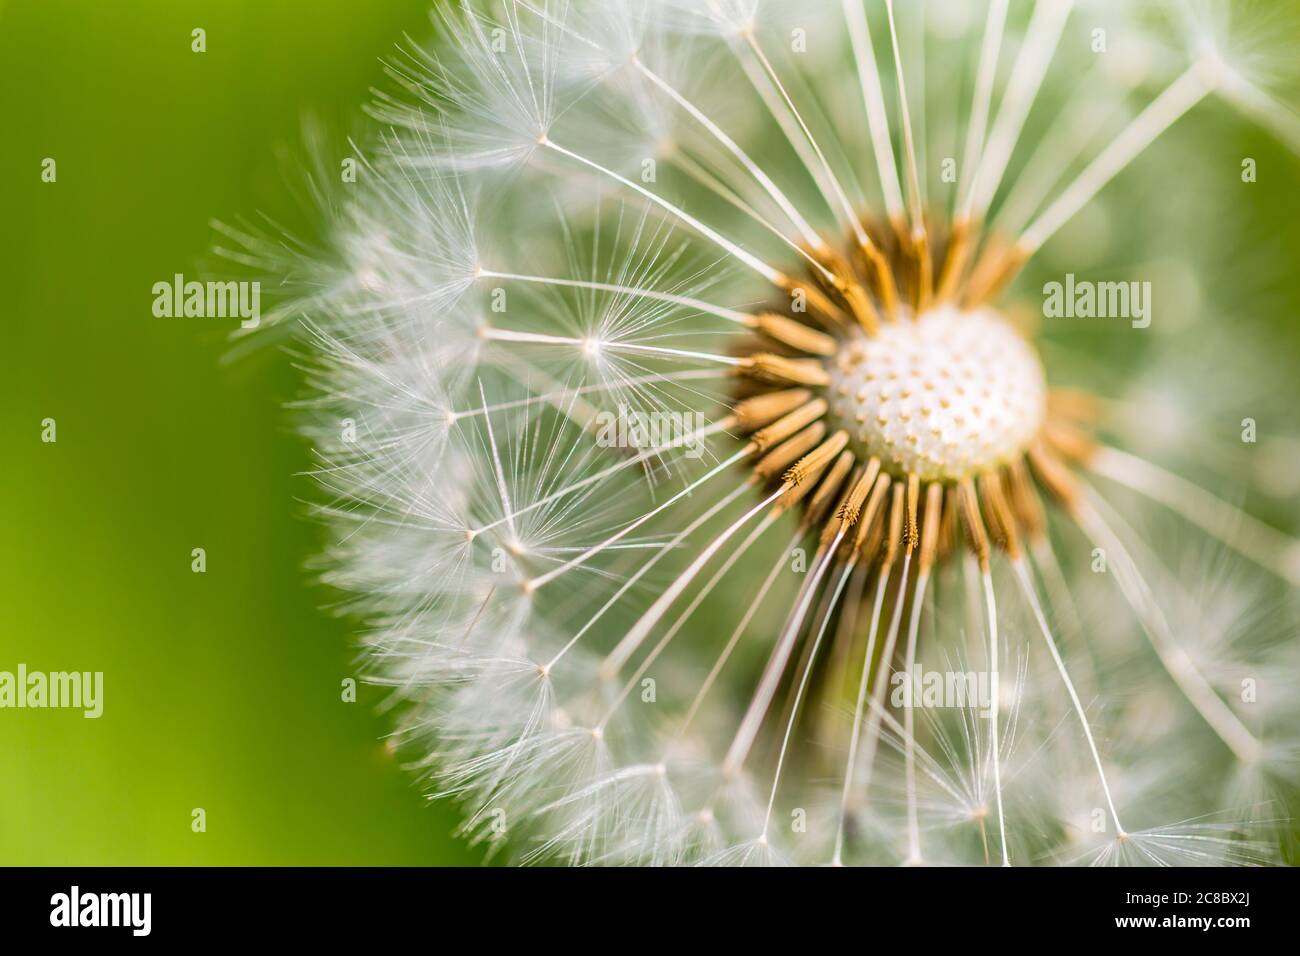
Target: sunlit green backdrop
(223, 688)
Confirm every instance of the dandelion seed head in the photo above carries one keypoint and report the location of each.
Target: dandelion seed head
(943, 397)
(667, 409)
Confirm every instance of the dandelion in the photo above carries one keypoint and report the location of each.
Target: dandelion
(789, 235)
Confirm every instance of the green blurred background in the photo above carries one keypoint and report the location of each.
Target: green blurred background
(222, 689)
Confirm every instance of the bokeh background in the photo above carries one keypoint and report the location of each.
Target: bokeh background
(222, 689)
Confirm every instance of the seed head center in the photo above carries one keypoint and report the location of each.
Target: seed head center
(947, 395)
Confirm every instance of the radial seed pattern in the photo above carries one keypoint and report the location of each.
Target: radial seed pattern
(681, 643)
